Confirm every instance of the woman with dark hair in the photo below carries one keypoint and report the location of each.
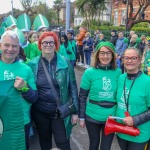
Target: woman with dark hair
(133, 101)
(68, 47)
(99, 85)
(61, 90)
(22, 57)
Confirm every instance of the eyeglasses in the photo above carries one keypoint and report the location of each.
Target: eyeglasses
(134, 58)
(45, 43)
(101, 53)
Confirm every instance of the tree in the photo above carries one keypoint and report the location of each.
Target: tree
(90, 9)
(58, 4)
(134, 18)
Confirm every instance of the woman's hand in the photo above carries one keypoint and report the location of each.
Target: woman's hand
(74, 119)
(128, 121)
(82, 123)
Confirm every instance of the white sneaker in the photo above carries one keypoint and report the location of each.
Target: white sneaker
(85, 66)
(79, 63)
(88, 66)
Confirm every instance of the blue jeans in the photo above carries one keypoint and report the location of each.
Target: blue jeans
(87, 57)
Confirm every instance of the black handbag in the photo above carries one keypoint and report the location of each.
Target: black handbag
(66, 109)
(69, 52)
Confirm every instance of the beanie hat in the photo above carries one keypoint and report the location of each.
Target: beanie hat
(24, 22)
(40, 22)
(113, 31)
(104, 44)
(11, 21)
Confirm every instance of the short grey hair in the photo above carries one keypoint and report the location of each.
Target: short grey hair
(11, 33)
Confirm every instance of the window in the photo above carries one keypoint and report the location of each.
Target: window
(123, 17)
(116, 18)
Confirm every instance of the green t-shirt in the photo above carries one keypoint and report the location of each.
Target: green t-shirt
(139, 101)
(10, 71)
(31, 51)
(103, 86)
(62, 51)
(69, 48)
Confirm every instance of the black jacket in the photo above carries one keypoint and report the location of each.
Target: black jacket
(141, 118)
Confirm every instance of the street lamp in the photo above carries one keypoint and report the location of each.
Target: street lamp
(67, 15)
(12, 8)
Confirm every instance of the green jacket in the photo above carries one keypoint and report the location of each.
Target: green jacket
(67, 91)
(32, 51)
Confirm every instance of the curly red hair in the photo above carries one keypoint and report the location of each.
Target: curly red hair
(44, 35)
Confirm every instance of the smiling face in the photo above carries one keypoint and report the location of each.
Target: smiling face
(132, 61)
(10, 49)
(105, 56)
(48, 45)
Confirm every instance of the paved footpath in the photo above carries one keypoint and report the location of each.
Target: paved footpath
(79, 138)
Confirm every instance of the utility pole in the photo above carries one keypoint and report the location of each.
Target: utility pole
(127, 8)
(67, 15)
(12, 8)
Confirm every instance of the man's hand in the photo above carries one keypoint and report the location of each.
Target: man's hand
(19, 83)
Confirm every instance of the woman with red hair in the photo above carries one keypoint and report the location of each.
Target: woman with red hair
(45, 113)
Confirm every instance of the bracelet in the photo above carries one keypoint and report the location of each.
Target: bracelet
(24, 88)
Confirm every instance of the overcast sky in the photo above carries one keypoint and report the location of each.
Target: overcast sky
(6, 5)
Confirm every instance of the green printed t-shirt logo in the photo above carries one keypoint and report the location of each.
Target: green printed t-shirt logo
(106, 84)
(1, 128)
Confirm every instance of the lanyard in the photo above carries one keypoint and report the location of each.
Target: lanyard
(127, 98)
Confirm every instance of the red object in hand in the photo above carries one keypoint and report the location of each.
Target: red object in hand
(112, 126)
(127, 114)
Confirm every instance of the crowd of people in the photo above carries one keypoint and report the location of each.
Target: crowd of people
(38, 88)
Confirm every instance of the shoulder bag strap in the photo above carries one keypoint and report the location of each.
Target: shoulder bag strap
(51, 84)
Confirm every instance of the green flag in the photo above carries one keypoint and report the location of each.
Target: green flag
(12, 136)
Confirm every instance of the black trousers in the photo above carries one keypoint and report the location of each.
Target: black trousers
(27, 135)
(47, 126)
(94, 131)
(80, 53)
(127, 145)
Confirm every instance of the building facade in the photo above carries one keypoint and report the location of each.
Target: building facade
(119, 12)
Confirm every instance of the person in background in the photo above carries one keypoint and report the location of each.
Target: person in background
(31, 50)
(99, 85)
(133, 101)
(121, 46)
(12, 69)
(45, 114)
(142, 43)
(101, 38)
(130, 35)
(134, 41)
(33, 36)
(114, 37)
(88, 48)
(70, 34)
(79, 39)
(68, 48)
